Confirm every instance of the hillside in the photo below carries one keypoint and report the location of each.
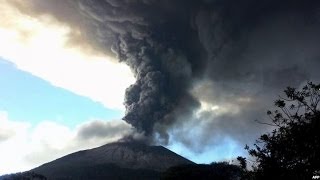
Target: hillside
(113, 161)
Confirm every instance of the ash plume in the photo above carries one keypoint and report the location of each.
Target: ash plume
(204, 69)
(162, 59)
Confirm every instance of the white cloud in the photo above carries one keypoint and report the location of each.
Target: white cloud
(41, 46)
(26, 147)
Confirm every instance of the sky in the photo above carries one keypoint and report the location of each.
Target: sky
(192, 76)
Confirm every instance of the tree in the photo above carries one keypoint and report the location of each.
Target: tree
(29, 175)
(215, 170)
(292, 149)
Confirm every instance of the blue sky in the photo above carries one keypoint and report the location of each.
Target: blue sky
(28, 98)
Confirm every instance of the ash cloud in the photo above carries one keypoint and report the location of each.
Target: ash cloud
(204, 68)
(103, 129)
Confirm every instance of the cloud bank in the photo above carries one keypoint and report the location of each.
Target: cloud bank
(24, 146)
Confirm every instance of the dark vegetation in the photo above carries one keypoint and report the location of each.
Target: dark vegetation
(292, 149)
(23, 176)
(95, 172)
(101, 172)
(220, 170)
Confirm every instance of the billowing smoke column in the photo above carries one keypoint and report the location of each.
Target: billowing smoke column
(229, 57)
(156, 40)
(165, 64)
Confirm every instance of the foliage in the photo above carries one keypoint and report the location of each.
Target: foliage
(23, 176)
(245, 174)
(292, 149)
(242, 161)
(220, 170)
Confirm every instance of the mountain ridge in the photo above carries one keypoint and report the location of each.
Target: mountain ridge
(118, 160)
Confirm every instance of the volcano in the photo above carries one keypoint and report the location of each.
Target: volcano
(121, 160)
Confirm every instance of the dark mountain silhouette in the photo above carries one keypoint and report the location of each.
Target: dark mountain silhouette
(121, 160)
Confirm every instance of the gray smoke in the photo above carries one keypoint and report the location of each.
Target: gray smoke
(235, 55)
(150, 37)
